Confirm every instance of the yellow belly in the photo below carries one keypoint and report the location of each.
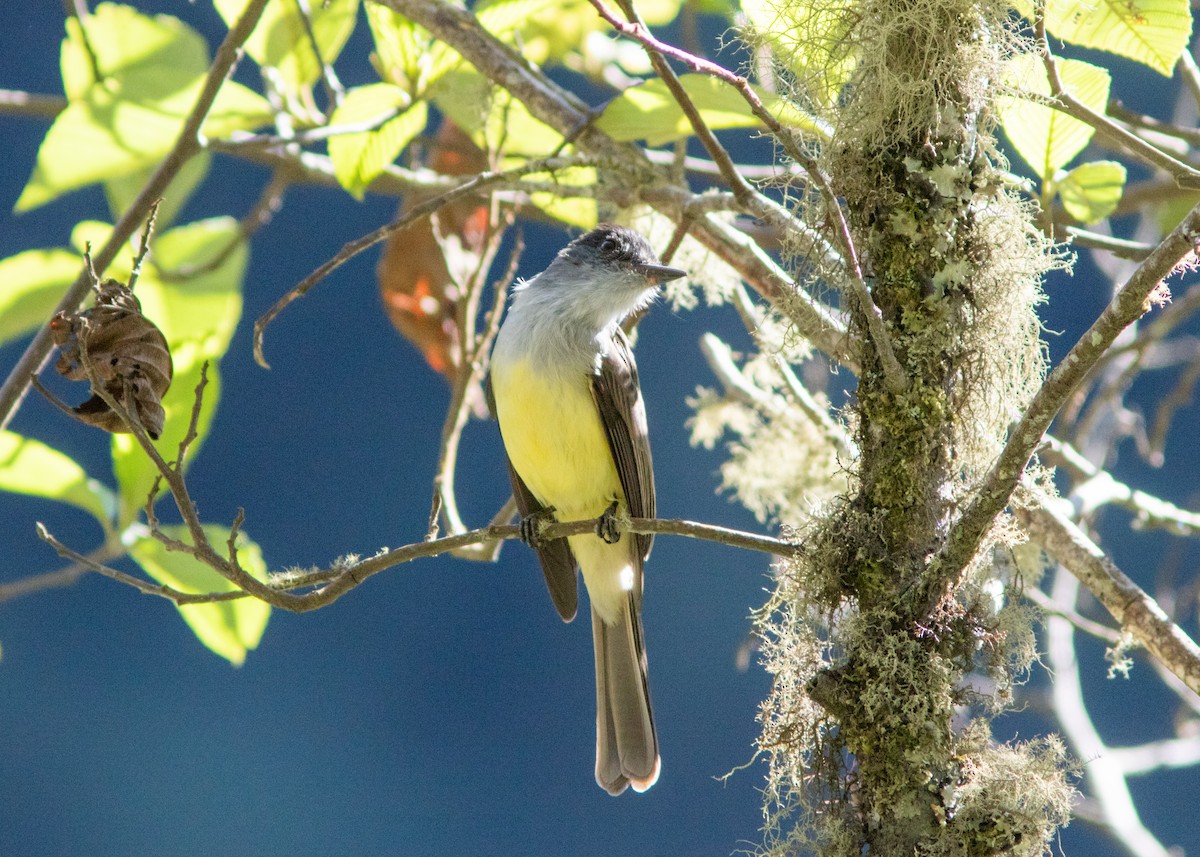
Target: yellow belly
(555, 441)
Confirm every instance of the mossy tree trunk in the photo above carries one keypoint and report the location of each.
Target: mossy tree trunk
(953, 275)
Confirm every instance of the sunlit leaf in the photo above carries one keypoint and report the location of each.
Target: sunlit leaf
(809, 39)
(282, 42)
(228, 628)
(501, 17)
(649, 111)
(1091, 191)
(1173, 209)
(1046, 138)
(122, 191)
(491, 116)
(31, 285)
(197, 309)
(30, 467)
(153, 71)
(359, 157)
(576, 210)
(1153, 32)
(658, 13)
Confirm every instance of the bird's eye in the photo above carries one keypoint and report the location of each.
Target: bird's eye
(608, 245)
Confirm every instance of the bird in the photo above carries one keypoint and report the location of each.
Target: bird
(563, 385)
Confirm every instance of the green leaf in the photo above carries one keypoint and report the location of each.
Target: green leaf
(31, 285)
(812, 40)
(197, 313)
(122, 191)
(228, 628)
(492, 117)
(504, 17)
(649, 112)
(281, 40)
(1046, 138)
(153, 72)
(1152, 32)
(359, 157)
(30, 467)
(401, 47)
(1091, 191)
(576, 210)
(1173, 209)
(659, 13)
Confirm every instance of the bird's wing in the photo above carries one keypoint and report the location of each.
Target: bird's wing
(623, 413)
(555, 557)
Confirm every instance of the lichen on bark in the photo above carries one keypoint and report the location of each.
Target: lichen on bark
(870, 727)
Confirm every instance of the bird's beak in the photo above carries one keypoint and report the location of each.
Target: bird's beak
(660, 273)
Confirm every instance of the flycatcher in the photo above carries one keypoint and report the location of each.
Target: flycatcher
(565, 392)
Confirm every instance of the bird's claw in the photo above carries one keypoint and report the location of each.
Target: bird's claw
(606, 526)
(530, 526)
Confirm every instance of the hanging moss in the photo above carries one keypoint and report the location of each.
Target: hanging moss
(863, 724)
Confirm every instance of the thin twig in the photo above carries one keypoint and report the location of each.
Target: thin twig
(14, 102)
(1164, 414)
(260, 215)
(80, 12)
(56, 579)
(1095, 487)
(1106, 779)
(423, 209)
(333, 86)
(1119, 247)
(1190, 73)
(470, 373)
(1083, 623)
(143, 247)
(87, 563)
(342, 577)
(1184, 175)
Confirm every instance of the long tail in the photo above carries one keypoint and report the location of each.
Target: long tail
(626, 746)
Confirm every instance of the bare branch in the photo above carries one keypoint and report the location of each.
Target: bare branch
(1081, 622)
(1096, 487)
(16, 103)
(1157, 755)
(1106, 779)
(340, 578)
(329, 79)
(1136, 611)
(87, 563)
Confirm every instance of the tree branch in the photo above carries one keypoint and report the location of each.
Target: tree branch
(343, 576)
(629, 167)
(1135, 610)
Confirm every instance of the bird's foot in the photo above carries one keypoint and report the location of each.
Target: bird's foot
(532, 524)
(607, 527)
